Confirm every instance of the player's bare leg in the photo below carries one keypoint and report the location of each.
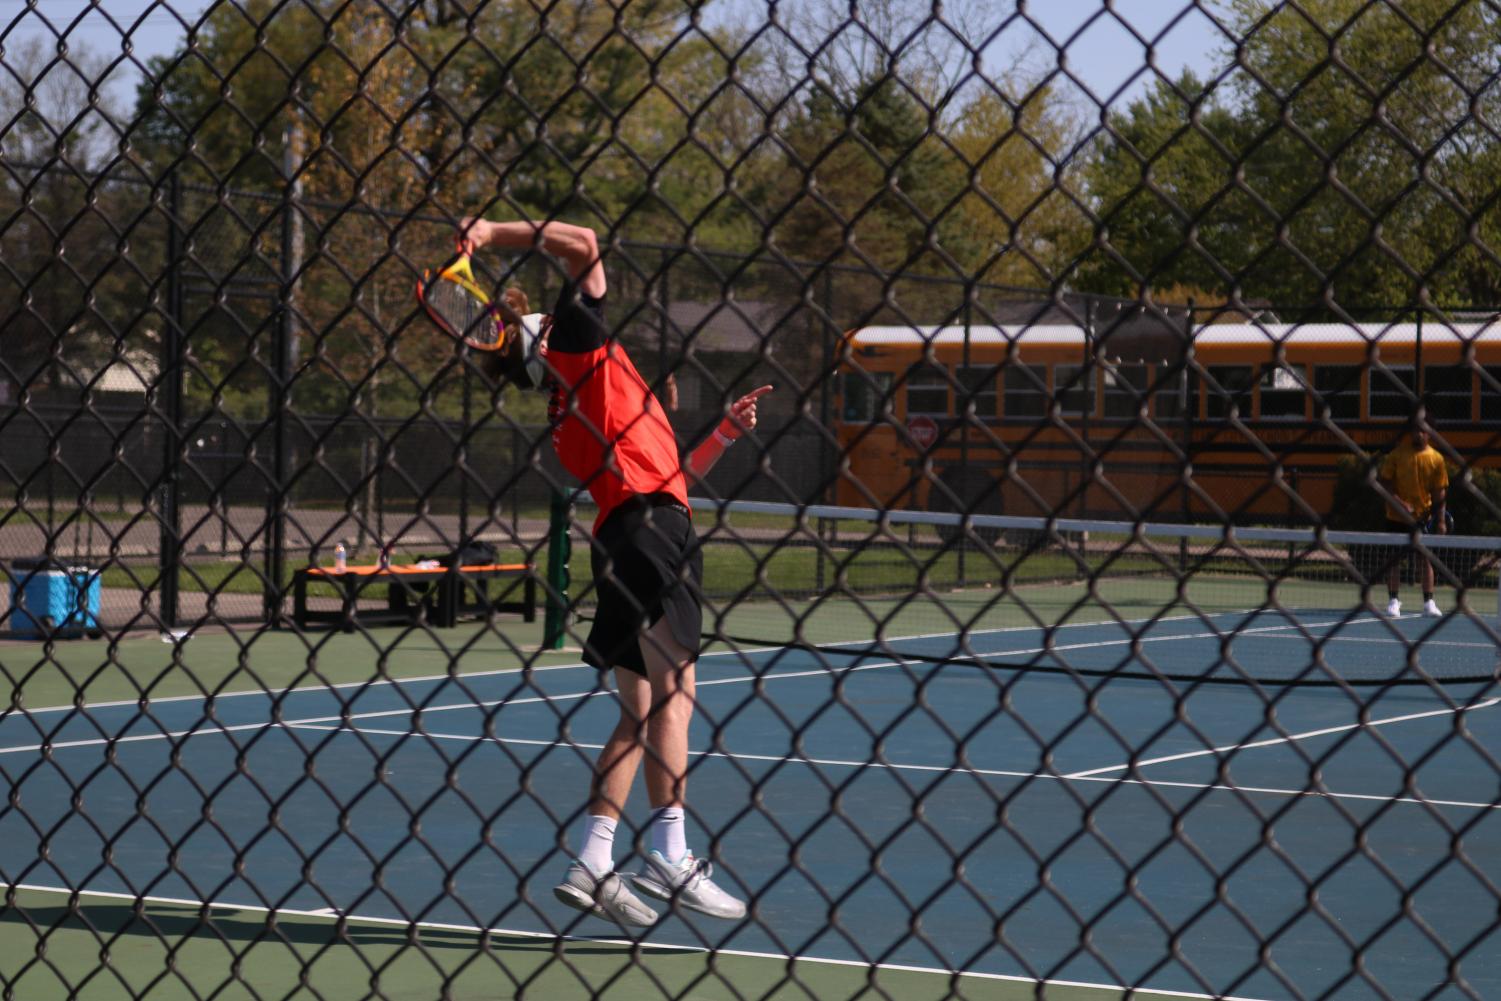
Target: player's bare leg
(672, 873)
(591, 884)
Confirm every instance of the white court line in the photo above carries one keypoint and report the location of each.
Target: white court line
(1094, 775)
(219, 729)
(1129, 641)
(820, 672)
(1328, 638)
(1143, 993)
(948, 769)
(421, 679)
(375, 683)
(1284, 740)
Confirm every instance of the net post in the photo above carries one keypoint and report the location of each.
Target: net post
(555, 620)
(1496, 562)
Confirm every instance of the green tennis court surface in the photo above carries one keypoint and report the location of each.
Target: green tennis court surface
(300, 955)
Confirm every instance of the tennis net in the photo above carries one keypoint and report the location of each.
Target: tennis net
(1182, 602)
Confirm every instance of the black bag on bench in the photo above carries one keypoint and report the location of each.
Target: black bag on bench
(473, 553)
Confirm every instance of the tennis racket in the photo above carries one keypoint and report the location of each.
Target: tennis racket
(454, 302)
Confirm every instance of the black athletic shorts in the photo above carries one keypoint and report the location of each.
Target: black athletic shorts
(647, 566)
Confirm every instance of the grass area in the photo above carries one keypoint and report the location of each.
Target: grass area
(100, 948)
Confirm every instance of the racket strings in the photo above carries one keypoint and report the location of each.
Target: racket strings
(465, 315)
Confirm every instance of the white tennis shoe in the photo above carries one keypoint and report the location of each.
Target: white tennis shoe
(1431, 609)
(688, 884)
(1393, 608)
(603, 896)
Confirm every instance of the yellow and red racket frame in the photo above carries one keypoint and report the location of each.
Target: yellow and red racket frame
(462, 274)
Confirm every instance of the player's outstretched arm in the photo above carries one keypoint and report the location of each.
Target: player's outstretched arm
(740, 419)
(576, 246)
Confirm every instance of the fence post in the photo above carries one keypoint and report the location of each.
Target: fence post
(283, 336)
(1188, 402)
(559, 546)
(171, 362)
(1417, 361)
(965, 399)
(664, 300)
(465, 430)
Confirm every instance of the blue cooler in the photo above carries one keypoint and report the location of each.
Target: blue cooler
(48, 599)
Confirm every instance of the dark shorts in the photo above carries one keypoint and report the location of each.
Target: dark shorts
(647, 566)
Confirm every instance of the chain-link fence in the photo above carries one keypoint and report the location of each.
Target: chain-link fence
(1102, 602)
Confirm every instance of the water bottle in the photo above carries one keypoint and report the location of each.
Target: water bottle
(385, 556)
(341, 558)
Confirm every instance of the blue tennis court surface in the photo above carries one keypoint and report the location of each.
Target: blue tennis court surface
(1010, 811)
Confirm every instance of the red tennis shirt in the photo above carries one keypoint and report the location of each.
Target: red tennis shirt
(607, 427)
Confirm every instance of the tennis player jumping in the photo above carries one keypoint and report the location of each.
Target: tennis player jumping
(611, 433)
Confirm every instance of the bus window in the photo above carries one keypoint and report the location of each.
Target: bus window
(1446, 393)
(927, 392)
(1490, 394)
(1026, 390)
(1125, 389)
(1074, 387)
(865, 395)
(1175, 390)
(979, 386)
(1391, 392)
(1229, 384)
(1338, 387)
(1282, 390)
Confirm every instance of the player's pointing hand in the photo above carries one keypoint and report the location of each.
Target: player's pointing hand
(742, 416)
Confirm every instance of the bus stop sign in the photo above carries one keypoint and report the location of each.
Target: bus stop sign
(923, 430)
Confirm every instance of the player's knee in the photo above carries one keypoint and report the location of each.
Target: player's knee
(674, 707)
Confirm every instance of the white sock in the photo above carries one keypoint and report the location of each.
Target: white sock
(667, 836)
(598, 851)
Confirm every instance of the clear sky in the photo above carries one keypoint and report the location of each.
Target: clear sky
(1105, 56)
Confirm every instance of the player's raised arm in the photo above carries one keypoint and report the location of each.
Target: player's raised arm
(576, 246)
(740, 419)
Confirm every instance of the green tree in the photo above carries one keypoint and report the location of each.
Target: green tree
(69, 297)
(1348, 160)
(1018, 221)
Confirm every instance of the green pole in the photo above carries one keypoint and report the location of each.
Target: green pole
(555, 621)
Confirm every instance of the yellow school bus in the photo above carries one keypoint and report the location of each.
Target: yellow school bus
(1243, 421)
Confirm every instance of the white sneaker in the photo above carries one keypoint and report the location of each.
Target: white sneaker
(1431, 609)
(689, 884)
(1393, 608)
(605, 897)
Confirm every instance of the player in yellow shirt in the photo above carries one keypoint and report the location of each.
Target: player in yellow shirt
(1417, 486)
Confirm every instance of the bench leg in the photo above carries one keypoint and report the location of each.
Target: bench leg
(299, 601)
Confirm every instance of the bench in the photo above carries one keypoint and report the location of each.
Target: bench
(445, 593)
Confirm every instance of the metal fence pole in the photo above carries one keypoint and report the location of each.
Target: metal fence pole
(463, 456)
(171, 408)
(283, 335)
(966, 399)
(825, 459)
(1417, 360)
(1187, 404)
